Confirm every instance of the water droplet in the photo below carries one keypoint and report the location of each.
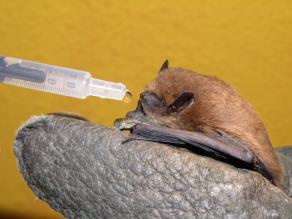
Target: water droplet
(128, 97)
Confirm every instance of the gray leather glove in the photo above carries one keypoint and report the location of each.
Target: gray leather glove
(83, 170)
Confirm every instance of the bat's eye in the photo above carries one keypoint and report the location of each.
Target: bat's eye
(173, 108)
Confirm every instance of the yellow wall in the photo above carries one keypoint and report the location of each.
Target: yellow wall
(247, 43)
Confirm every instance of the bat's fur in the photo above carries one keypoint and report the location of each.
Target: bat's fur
(216, 108)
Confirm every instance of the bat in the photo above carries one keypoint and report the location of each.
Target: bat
(203, 113)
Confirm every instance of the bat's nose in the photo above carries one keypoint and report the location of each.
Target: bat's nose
(142, 95)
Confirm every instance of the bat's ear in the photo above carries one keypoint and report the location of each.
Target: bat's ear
(182, 102)
(164, 66)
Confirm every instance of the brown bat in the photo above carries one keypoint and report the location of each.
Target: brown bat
(182, 107)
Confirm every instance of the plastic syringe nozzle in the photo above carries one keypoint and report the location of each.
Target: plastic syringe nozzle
(106, 89)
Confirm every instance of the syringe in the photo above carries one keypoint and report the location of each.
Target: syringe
(58, 80)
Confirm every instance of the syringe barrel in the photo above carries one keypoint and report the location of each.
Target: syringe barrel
(43, 77)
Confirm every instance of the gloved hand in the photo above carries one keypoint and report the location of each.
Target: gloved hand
(83, 170)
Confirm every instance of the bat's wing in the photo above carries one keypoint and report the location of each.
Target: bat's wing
(219, 147)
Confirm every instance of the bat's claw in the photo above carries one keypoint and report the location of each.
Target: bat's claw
(126, 123)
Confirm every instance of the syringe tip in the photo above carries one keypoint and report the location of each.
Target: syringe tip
(107, 89)
(128, 97)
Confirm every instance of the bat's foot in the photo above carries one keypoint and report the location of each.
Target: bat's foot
(125, 123)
